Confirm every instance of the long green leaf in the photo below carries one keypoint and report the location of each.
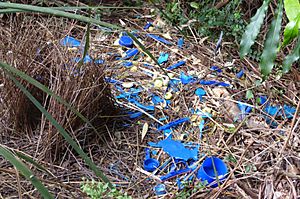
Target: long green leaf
(252, 29)
(46, 90)
(291, 31)
(292, 9)
(59, 13)
(61, 130)
(291, 58)
(271, 44)
(8, 155)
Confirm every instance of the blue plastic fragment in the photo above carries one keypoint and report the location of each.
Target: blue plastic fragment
(167, 132)
(173, 123)
(214, 83)
(216, 68)
(70, 42)
(240, 74)
(207, 171)
(180, 42)
(173, 174)
(244, 109)
(99, 61)
(127, 64)
(87, 59)
(179, 184)
(158, 38)
(186, 79)
(177, 150)
(160, 189)
(126, 41)
(200, 92)
(131, 52)
(156, 100)
(150, 164)
(163, 58)
(148, 25)
(289, 111)
(142, 106)
(174, 66)
(135, 115)
(201, 127)
(112, 81)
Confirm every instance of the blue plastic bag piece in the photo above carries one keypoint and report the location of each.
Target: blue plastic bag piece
(70, 42)
(163, 58)
(131, 52)
(173, 123)
(244, 109)
(216, 68)
(272, 110)
(180, 42)
(148, 25)
(126, 41)
(127, 64)
(262, 99)
(186, 79)
(200, 92)
(87, 59)
(156, 99)
(177, 150)
(240, 74)
(158, 38)
(289, 111)
(178, 64)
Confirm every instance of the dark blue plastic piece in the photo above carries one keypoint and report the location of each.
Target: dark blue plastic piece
(163, 58)
(112, 81)
(240, 74)
(127, 64)
(99, 61)
(160, 189)
(148, 25)
(70, 42)
(131, 52)
(158, 38)
(150, 164)
(214, 83)
(207, 173)
(173, 174)
(216, 68)
(176, 149)
(173, 123)
(186, 79)
(135, 115)
(200, 92)
(180, 42)
(126, 41)
(178, 64)
(156, 100)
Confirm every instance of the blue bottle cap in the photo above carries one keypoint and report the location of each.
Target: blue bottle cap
(160, 189)
(126, 41)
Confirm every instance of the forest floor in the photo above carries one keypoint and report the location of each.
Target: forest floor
(210, 103)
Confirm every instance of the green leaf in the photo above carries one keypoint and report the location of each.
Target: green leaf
(194, 5)
(252, 29)
(292, 9)
(291, 58)
(22, 168)
(249, 94)
(59, 13)
(271, 44)
(290, 32)
(60, 129)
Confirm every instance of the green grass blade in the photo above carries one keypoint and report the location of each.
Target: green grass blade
(22, 168)
(271, 44)
(291, 31)
(61, 130)
(44, 89)
(252, 29)
(58, 13)
(87, 43)
(291, 58)
(30, 160)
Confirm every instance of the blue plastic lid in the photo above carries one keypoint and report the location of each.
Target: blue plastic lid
(126, 41)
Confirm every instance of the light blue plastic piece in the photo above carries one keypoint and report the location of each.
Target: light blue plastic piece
(160, 189)
(70, 42)
(163, 58)
(180, 42)
(160, 39)
(200, 92)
